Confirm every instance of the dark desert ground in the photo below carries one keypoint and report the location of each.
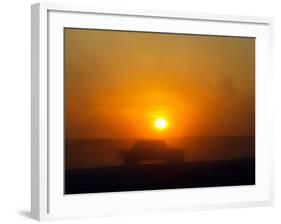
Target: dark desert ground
(207, 163)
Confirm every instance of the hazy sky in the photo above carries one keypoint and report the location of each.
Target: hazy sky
(118, 83)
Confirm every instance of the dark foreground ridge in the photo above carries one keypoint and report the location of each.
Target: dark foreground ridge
(160, 176)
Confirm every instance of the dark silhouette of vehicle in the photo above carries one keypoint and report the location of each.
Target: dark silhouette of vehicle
(147, 150)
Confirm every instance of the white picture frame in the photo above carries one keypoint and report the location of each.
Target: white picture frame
(47, 198)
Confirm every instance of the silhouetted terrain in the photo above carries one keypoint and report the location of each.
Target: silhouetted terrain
(99, 165)
(160, 176)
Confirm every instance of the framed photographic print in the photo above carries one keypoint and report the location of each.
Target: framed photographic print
(148, 111)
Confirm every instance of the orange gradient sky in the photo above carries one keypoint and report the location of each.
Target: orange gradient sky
(118, 83)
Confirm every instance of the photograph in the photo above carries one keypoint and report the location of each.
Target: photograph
(156, 111)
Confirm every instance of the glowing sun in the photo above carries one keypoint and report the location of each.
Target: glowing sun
(160, 124)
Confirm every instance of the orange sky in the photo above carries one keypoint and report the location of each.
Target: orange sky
(118, 83)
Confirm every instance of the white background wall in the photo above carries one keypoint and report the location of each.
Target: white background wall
(15, 110)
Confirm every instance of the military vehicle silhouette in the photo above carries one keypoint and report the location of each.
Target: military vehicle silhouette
(147, 150)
